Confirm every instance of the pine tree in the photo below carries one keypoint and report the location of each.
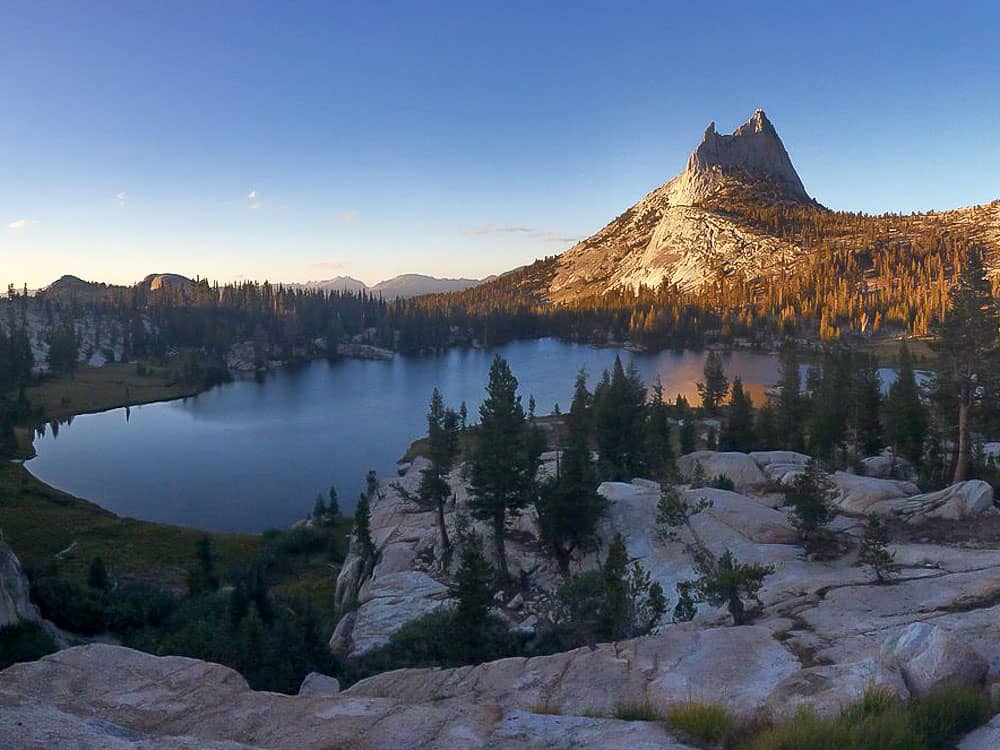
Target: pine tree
(874, 549)
(201, 577)
(97, 577)
(810, 497)
(866, 403)
(688, 429)
(319, 516)
(569, 507)
(906, 420)
(471, 589)
(362, 531)
(505, 460)
(738, 430)
(633, 602)
(828, 409)
(789, 410)
(967, 352)
(443, 445)
(722, 581)
(333, 507)
(659, 452)
(714, 388)
(619, 411)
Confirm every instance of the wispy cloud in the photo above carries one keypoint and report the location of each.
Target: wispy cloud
(256, 206)
(541, 235)
(348, 216)
(21, 224)
(485, 229)
(120, 198)
(327, 265)
(252, 195)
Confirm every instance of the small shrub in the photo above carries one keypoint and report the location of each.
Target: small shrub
(25, 642)
(134, 606)
(547, 707)
(638, 711)
(722, 482)
(70, 605)
(946, 714)
(709, 723)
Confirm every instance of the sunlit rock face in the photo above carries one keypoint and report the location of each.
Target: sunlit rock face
(672, 236)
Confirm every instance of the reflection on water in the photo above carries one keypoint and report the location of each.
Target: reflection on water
(253, 454)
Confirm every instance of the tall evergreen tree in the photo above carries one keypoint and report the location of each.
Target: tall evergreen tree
(715, 386)
(471, 590)
(442, 437)
(659, 452)
(687, 434)
(829, 394)
(569, 506)
(619, 411)
(363, 531)
(967, 353)
(505, 460)
(905, 413)
(789, 410)
(810, 497)
(738, 430)
(866, 405)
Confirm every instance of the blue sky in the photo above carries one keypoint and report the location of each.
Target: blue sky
(296, 141)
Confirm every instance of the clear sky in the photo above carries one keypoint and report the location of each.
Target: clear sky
(297, 141)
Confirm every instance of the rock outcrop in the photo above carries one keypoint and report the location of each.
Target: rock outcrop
(738, 667)
(319, 684)
(954, 503)
(100, 696)
(15, 601)
(672, 236)
(740, 468)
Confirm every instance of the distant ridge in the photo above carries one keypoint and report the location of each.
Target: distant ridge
(398, 287)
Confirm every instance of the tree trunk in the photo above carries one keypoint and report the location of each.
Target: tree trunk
(962, 457)
(499, 524)
(445, 542)
(736, 607)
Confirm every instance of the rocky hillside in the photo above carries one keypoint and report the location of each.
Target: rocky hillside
(825, 629)
(824, 633)
(739, 211)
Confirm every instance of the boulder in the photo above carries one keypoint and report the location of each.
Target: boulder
(739, 467)
(319, 684)
(954, 503)
(930, 657)
(888, 466)
(780, 466)
(985, 738)
(857, 494)
(830, 688)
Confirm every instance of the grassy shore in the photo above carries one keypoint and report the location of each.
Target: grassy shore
(45, 526)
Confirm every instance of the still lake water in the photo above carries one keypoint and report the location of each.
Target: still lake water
(252, 455)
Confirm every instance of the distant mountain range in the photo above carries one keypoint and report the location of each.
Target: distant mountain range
(404, 286)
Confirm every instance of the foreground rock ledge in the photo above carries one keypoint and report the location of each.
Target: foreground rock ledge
(115, 698)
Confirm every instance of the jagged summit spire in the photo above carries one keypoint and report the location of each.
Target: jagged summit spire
(754, 147)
